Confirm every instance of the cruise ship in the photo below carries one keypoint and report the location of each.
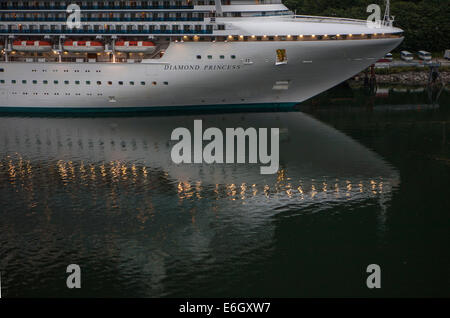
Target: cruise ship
(147, 55)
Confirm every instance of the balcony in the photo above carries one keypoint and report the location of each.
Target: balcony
(111, 32)
(97, 8)
(148, 19)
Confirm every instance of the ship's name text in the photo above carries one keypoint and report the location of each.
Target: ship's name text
(196, 67)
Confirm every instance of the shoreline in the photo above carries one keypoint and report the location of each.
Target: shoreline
(405, 78)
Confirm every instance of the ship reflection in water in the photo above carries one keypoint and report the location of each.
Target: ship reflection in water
(104, 193)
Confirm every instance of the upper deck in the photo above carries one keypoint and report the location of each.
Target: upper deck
(177, 17)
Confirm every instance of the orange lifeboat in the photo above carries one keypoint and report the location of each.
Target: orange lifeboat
(31, 46)
(83, 46)
(135, 46)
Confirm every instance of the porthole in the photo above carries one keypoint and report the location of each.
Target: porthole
(109, 83)
(99, 83)
(154, 83)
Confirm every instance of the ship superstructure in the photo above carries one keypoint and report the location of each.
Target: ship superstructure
(144, 54)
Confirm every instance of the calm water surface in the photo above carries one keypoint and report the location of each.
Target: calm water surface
(362, 180)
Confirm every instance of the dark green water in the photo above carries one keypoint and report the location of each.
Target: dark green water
(363, 180)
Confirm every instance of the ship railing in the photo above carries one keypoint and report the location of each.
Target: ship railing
(311, 18)
(112, 32)
(149, 19)
(93, 7)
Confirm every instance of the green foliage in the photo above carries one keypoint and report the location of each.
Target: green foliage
(426, 22)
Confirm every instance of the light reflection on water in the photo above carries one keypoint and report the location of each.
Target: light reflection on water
(103, 193)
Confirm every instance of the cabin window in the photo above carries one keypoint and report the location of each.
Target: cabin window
(233, 56)
(66, 82)
(142, 83)
(34, 82)
(199, 57)
(55, 82)
(166, 83)
(13, 82)
(2, 81)
(120, 83)
(209, 57)
(154, 83)
(99, 83)
(222, 57)
(77, 82)
(2, 70)
(109, 83)
(24, 81)
(131, 83)
(45, 82)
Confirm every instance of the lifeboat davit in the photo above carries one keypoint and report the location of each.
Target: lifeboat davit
(32, 46)
(83, 46)
(135, 46)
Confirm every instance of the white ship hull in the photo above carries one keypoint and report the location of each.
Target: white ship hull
(180, 79)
